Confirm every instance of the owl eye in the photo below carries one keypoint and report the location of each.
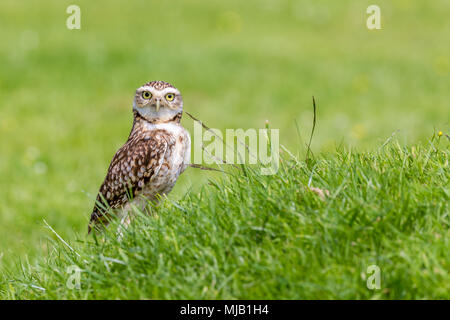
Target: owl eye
(146, 95)
(170, 97)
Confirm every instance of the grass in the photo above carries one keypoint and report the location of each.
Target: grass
(65, 103)
(249, 236)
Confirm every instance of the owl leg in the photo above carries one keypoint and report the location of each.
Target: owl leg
(127, 216)
(124, 223)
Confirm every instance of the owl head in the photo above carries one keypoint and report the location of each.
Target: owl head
(158, 101)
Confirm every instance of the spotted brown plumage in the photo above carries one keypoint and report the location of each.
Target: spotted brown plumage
(159, 85)
(148, 164)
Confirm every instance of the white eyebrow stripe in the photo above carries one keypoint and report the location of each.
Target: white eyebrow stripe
(163, 91)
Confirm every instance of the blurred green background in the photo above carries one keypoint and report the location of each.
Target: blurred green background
(65, 95)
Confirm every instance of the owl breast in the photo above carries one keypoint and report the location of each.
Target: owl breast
(176, 159)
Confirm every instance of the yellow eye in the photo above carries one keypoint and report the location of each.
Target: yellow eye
(170, 97)
(146, 95)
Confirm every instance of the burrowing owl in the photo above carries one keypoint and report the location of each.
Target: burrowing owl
(156, 153)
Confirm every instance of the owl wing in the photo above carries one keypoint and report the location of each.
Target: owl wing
(131, 168)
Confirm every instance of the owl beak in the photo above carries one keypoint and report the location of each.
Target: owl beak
(157, 104)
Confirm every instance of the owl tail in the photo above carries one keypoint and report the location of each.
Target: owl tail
(97, 220)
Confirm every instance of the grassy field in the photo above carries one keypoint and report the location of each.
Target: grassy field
(250, 236)
(65, 108)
